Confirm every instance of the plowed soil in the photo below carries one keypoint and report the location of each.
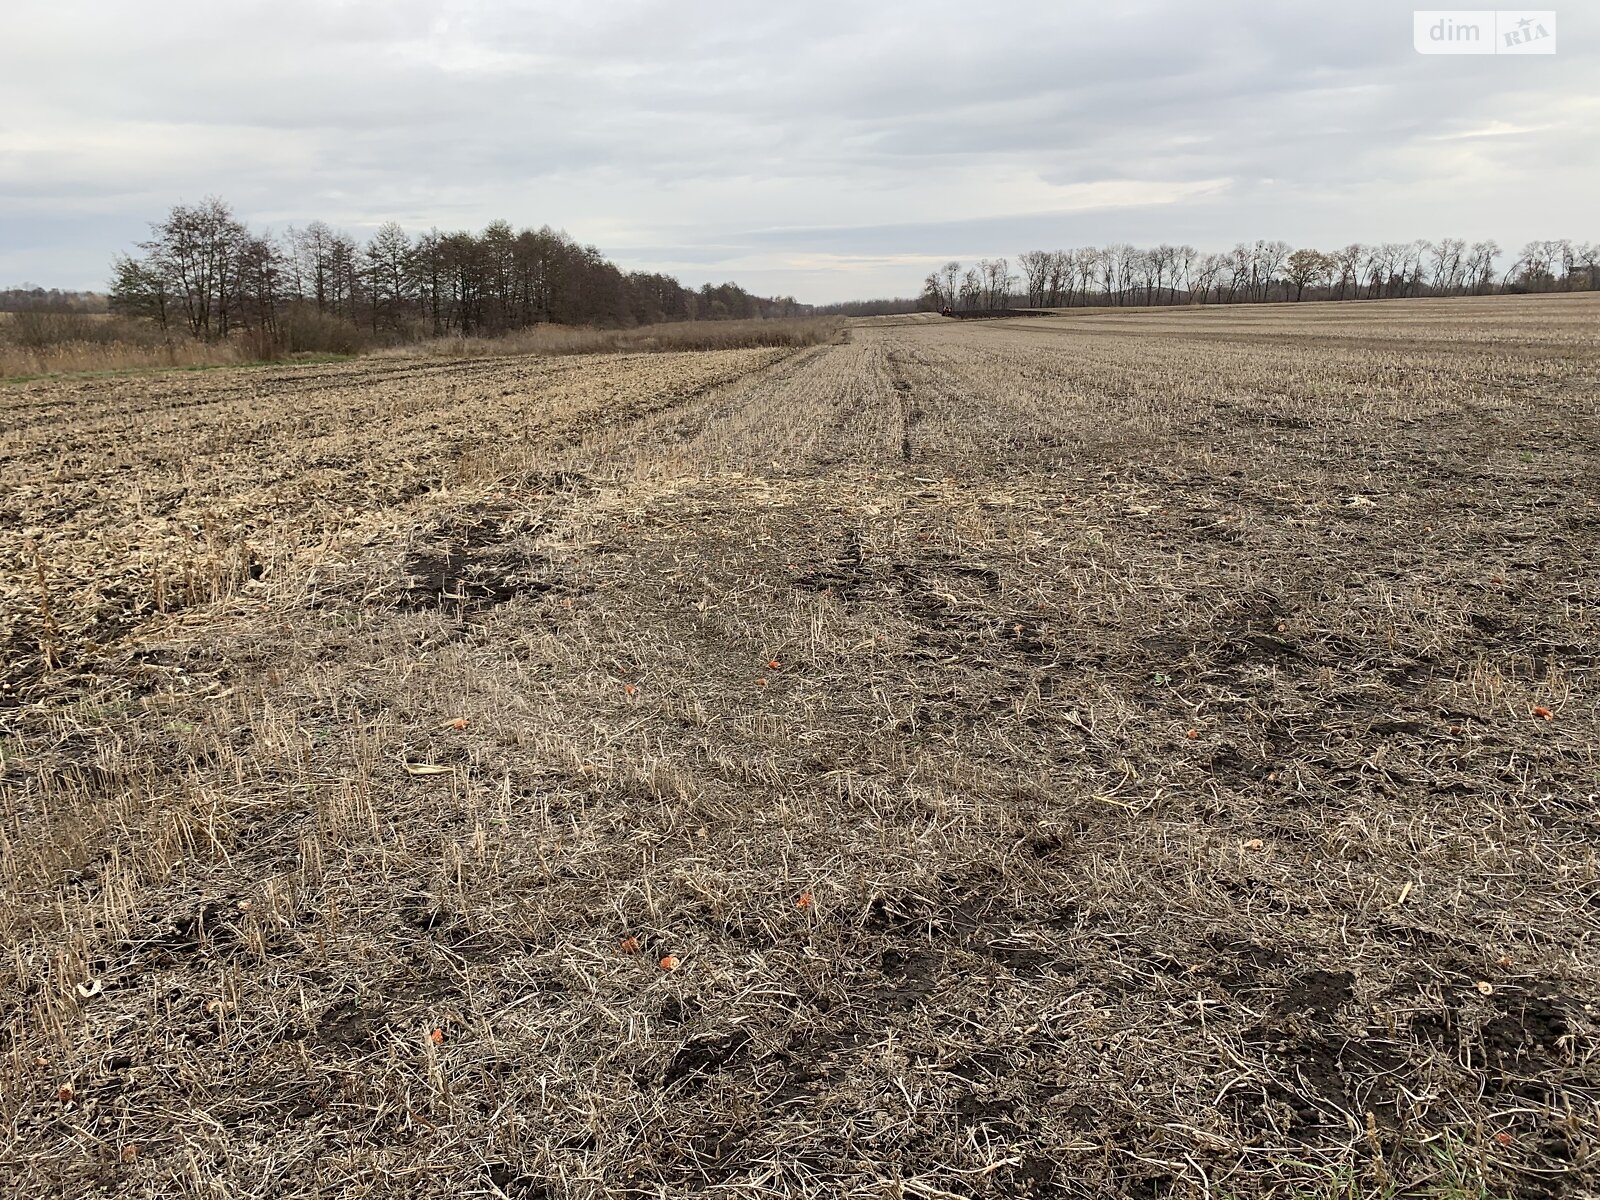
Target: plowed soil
(1103, 754)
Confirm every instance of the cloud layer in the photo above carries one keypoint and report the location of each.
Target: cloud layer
(827, 150)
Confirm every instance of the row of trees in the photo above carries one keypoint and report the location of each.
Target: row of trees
(1260, 271)
(881, 307)
(28, 298)
(204, 272)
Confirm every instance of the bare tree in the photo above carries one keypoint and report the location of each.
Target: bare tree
(196, 250)
(390, 275)
(344, 262)
(259, 291)
(1143, 266)
(996, 282)
(1568, 255)
(1036, 266)
(1306, 267)
(140, 288)
(1587, 257)
(1242, 270)
(312, 248)
(1058, 279)
(1270, 257)
(1182, 269)
(1480, 265)
(1117, 268)
(1347, 262)
(1205, 274)
(971, 288)
(1447, 263)
(1411, 266)
(951, 274)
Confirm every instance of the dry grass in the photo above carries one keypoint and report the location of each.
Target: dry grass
(39, 344)
(642, 339)
(1069, 757)
(72, 358)
(46, 343)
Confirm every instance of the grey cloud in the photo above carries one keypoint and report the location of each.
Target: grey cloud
(819, 148)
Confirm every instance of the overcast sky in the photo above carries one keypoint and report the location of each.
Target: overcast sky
(828, 150)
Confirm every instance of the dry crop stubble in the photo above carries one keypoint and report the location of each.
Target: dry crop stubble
(1092, 755)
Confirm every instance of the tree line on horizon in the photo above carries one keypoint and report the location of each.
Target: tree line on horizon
(1259, 272)
(206, 274)
(29, 298)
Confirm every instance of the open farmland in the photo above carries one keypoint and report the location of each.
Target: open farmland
(1113, 753)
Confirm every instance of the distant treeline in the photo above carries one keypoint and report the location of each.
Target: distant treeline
(1260, 272)
(204, 273)
(50, 300)
(870, 308)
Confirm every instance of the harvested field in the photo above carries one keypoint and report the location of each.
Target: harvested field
(1007, 314)
(1123, 753)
